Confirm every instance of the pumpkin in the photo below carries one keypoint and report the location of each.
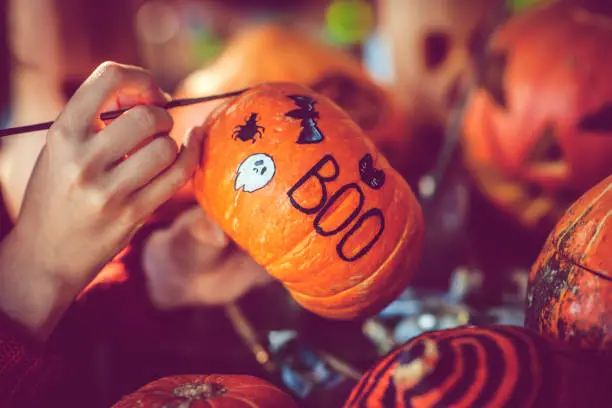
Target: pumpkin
(276, 53)
(208, 391)
(570, 285)
(538, 128)
(296, 183)
(489, 366)
(433, 45)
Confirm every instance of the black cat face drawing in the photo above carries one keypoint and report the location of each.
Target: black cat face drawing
(371, 176)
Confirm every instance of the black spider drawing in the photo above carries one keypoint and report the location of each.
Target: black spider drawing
(310, 132)
(371, 176)
(250, 130)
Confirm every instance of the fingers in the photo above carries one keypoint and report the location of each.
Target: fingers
(142, 166)
(107, 83)
(166, 184)
(129, 131)
(202, 228)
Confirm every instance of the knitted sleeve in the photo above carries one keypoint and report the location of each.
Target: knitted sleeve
(26, 372)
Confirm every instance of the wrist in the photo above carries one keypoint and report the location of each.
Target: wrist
(32, 292)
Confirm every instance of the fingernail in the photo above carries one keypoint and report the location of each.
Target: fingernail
(195, 134)
(167, 96)
(188, 136)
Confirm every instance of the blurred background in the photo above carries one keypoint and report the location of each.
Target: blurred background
(461, 112)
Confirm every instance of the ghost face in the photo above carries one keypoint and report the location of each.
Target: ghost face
(255, 172)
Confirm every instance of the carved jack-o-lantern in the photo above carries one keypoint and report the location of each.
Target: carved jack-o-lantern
(489, 366)
(538, 130)
(295, 182)
(275, 53)
(570, 287)
(432, 44)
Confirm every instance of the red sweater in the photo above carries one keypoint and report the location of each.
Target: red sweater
(27, 371)
(113, 333)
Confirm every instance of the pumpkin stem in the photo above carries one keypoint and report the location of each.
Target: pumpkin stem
(199, 390)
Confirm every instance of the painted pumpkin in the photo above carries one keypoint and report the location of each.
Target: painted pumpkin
(570, 286)
(490, 366)
(538, 130)
(208, 391)
(275, 53)
(295, 182)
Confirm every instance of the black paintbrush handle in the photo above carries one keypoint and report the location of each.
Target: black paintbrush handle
(174, 104)
(105, 116)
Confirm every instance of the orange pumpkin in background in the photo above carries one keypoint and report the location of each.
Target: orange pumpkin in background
(295, 182)
(490, 366)
(208, 391)
(570, 286)
(538, 130)
(276, 53)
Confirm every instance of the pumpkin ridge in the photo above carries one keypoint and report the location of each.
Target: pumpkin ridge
(374, 275)
(598, 229)
(572, 262)
(247, 402)
(558, 241)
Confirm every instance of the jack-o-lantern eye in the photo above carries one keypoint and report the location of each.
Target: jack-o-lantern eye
(547, 149)
(598, 121)
(436, 47)
(491, 72)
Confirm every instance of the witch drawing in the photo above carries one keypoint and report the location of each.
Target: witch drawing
(310, 133)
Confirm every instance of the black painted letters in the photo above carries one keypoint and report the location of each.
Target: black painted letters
(324, 205)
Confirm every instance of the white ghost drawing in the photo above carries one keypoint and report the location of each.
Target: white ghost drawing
(255, 172)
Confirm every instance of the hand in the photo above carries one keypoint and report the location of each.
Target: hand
(91, 188)
(193, 263)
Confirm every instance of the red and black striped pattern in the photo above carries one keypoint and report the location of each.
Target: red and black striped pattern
(492, 366)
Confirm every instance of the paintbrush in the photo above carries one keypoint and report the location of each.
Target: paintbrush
(106, 116)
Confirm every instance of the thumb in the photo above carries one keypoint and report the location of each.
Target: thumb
(202, 228)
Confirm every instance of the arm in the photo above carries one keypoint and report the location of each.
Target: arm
(92, 186)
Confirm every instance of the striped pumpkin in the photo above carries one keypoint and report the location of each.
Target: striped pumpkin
(491, 366)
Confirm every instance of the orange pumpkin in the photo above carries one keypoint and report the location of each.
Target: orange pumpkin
(208, 391)
(538, 130)
(490, 366)
(570, 286)
(296, 183)
(276, 53)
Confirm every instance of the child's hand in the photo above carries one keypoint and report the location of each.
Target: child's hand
(85, 199)
(193, 263)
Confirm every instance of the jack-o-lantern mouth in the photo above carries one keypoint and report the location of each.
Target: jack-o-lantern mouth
(546, 159)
